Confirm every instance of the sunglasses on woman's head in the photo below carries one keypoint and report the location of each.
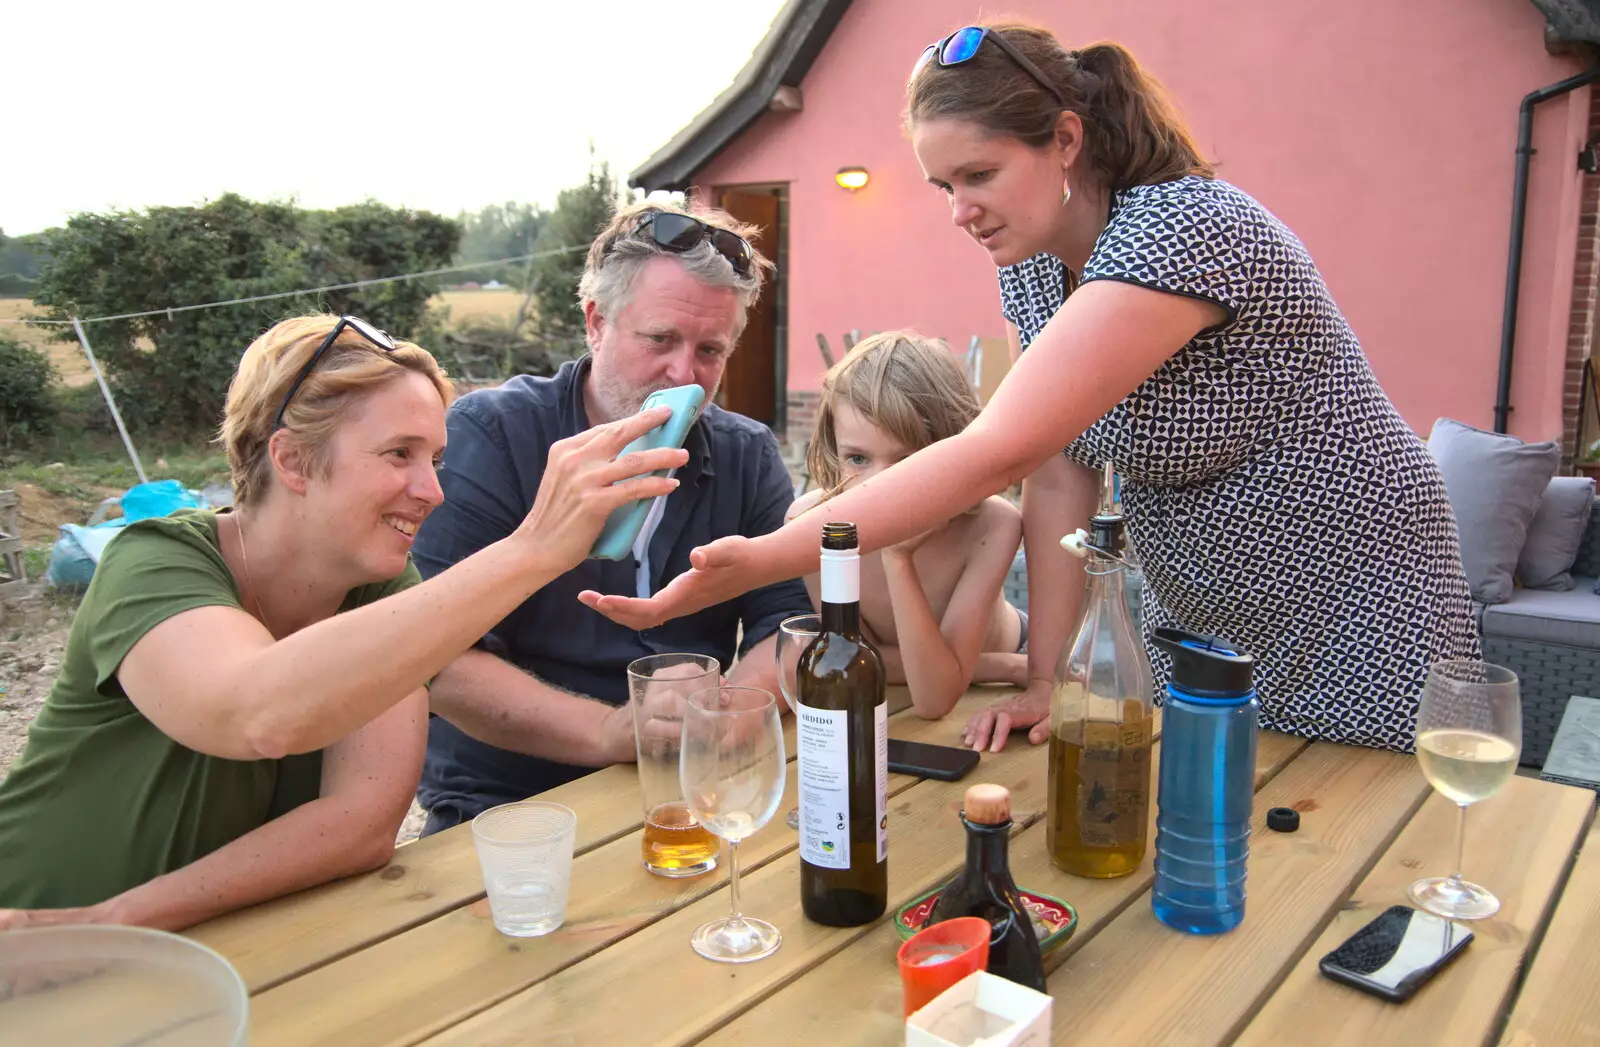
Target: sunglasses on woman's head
(962, 46)
(680, 232)
(378, 338)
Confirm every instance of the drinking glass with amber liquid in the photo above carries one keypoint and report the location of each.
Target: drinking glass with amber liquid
(1101, 724)
(659, 686)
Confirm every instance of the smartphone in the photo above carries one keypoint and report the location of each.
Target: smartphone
(1396, 953)
(947, 763)
(622, 526)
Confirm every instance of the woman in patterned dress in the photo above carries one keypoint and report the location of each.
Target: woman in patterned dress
(1178, 330)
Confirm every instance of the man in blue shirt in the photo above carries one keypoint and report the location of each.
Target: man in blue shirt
(542, 700)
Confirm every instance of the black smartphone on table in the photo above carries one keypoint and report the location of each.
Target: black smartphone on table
(1394, 955)
(946, 763)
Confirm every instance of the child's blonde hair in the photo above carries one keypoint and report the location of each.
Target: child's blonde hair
(906, 385)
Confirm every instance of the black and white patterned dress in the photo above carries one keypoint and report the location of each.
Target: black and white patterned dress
(1274, 494)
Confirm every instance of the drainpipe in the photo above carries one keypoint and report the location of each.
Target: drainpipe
(1519, 216)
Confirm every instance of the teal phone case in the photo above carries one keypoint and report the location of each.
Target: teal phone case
(622, 526)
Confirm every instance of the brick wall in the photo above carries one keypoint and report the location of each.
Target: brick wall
(802, 417)
(1581, 325)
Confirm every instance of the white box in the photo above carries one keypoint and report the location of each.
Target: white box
(982, 1010)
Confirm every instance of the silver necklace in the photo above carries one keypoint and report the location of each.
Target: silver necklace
(238, 522)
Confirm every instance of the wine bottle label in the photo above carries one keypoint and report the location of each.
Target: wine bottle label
(822, 743)
(880, 759)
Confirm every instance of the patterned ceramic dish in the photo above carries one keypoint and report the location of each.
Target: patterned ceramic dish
(1053, 919)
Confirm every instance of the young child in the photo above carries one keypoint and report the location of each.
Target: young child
(931, 604)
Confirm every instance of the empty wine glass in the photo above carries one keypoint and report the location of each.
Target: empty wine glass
(1469, 736)
(794, 636)
(732, 768)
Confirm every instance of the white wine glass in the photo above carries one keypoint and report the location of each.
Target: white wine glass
(794, 636)
(732, 767)
(1469, 737)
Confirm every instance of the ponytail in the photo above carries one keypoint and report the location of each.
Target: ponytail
(1133, 134)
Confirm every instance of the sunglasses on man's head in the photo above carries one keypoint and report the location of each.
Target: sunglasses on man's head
(962, 46)
(378, 338)
(680, 232)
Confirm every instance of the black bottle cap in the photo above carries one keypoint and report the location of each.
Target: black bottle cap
(1283, 819)
(839, 536)
(1107, 531)
(1205, 666)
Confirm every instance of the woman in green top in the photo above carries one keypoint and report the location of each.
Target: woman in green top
(242, 708)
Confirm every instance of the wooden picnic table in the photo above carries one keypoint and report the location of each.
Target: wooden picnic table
(408, 954)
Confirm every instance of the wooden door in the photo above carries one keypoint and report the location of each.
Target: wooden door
(750, 383)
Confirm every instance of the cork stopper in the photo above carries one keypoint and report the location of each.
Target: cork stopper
(987, 804)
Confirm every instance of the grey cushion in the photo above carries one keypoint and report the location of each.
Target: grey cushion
(1570, 618)
(1495, 484)
(1555, 534)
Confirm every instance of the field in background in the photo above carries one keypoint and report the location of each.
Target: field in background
(497, 306)
(67, 357)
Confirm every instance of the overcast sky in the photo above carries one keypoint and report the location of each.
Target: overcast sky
(442, 106)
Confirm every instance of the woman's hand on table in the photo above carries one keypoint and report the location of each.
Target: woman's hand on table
(18, 919)
(1029, 710)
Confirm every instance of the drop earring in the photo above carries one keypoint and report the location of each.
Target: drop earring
(1066, 192)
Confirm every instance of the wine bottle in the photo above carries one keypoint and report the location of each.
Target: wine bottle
(984, 888)
(842, 736)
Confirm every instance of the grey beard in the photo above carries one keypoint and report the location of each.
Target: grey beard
(624, 401)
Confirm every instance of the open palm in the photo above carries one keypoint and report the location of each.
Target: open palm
(718, 572)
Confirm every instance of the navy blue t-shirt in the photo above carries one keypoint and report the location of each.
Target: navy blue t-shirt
(735, 482)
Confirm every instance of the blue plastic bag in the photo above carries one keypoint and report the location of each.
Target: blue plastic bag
(158, 498)
(78, 550)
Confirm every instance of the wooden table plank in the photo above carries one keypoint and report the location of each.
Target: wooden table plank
(1560, 1000)
(854, 998)
(689, 997)
(1140, 982)
(449, 968)
(424, 979)
(1518, 845)
(273, 942)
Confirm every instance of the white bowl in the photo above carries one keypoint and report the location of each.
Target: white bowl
(98, 986)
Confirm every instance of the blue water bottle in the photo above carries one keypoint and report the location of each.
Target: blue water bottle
(1207, 784)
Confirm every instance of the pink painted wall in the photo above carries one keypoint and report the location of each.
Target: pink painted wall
(1381, 132)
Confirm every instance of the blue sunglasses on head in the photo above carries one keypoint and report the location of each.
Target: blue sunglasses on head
(962, 45)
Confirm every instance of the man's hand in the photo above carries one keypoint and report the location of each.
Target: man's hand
(1030, 709)
(616, 733)
(661, 711)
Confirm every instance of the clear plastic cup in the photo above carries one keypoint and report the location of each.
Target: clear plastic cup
(94, 986)
(525, 853)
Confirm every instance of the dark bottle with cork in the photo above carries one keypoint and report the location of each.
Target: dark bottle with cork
(984, 888)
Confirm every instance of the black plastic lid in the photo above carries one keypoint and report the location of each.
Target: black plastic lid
(1206, 666)
(839, 536)
(1283, 819)
(1107, 531)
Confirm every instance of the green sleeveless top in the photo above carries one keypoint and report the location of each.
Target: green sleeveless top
(101, 800)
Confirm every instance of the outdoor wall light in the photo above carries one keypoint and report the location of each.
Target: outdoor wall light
(851, 178)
